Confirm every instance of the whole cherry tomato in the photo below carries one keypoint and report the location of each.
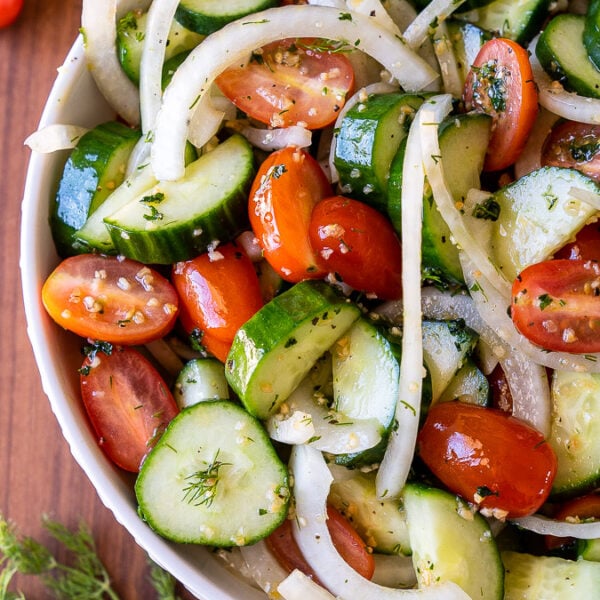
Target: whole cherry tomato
(359, 244)
(9, 11)
(488, 457)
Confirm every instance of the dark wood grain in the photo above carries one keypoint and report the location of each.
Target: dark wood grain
(37, 473)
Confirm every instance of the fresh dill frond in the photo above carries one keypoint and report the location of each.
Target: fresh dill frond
(163, 582)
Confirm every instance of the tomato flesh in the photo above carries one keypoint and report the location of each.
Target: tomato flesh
(128, 404)
(359, 245)
(586, 245)
(488, 457)
(556, 305)
(344, 537)
(111, 299)
(500, 83)
(290, 82)
(219, 292)
(288, 185)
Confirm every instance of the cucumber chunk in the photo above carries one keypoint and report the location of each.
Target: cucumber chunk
(177, 220)
(591, 32)
(213, 478)
(368, 138)
(94, 169)
(207, 16)
(381, 523)
(530, 577)
(575, 433)
(451, 543)
(468, 385)
(466, 39)
(537, 216)
(201, 379)
(273, 351)
(562, 53)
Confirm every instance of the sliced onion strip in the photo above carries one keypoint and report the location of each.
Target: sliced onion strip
(298, 586)
(263, 567)
(55, 137)
(274, 139)
(234, 42)
(436, 11)
(546, 526)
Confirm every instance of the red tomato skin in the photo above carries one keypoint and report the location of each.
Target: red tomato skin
(488, 457)
(345, 539)
(556, 305)
(128, 404)
(586, 245)
(109, 298)
(288, 185)
(287, 84)
(513, 119)
(9, 11)
(582, 508)
(573, 145)
(219, 292)
(501, 396)
(359, 244)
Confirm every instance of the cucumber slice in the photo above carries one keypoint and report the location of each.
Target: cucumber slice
(201, 379)
(446, 345)
(561, 51)
(177, 220)
(368, 138)
(466, 40)
(94, 169)
(273, 351)
(589, 549)
(530, 577)
(517, 20)
(131, 31)
(207, 16)
(213, 478)
(365, 374)
(468, 385)
(575, 434)
(538, 215)
(591, 32)
(451, 543)
(381, 523)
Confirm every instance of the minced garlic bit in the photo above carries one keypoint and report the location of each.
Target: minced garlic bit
(123, 283)
(145, 278)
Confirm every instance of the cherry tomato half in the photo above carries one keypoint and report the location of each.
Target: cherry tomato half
(581, 508)
(128, 404)
(219, 292)
(344, 537)
(500, 83)
(488, 457)
(9, 11)
(573, 145)
(359, 244)
(111, 299)
(291, 82)
(586, 245)
(288, 185)
(556, 305)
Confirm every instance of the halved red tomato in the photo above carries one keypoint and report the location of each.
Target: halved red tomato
(291, 82)
(288, 185)
(488, 457)
(219, 292)
(556, 305)
(500, 83)
(586, 245)
(108, 298)
(358, 244)
(127, 401)
(345, 539)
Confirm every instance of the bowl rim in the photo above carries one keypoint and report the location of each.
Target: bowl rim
(183, 562)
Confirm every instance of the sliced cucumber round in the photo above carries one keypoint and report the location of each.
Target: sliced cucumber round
(213, 478)
(591, 32)
(201, 379)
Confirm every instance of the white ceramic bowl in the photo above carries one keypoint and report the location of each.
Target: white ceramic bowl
(74, 99)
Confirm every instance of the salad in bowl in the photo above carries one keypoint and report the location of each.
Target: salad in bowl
(325, 280)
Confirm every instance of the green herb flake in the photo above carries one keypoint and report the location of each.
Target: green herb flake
(488, 210)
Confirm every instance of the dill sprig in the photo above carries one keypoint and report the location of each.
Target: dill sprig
(202, 486)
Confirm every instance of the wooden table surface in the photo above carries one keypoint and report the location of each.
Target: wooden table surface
(37, 473)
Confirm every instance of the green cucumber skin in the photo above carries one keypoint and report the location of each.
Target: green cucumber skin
(94, 168)
(253, 481)
(181, 235)
(201, 379)
(591, 32)
(562, 53)
(467, 39)
(206, 17)
(368, 138)
(306, 308)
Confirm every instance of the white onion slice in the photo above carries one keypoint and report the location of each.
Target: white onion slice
(397, 459)
(274, 139)
(294, 429)
(530, 159)
(586, 196)
(234, 42)
(436, 11)
(312, 481)
(376, 11)
(444, 52)
(55, 137)
(262, 567)
(298, 586)
(98, 20)
(553, 97)
(546, 526)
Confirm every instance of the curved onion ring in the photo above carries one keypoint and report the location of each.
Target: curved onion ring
(546, 526)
